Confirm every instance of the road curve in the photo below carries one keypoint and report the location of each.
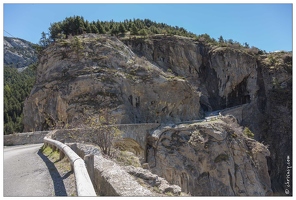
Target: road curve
(26, 173)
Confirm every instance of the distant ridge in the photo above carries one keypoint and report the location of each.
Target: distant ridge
(18, 53)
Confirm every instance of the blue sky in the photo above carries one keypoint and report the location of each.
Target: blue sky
(266, 26)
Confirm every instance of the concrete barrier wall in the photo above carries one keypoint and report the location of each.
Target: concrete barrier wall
(25, 138)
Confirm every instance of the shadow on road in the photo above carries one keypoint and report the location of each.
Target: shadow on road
(59, 187)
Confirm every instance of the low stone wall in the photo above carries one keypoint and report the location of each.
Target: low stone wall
(137, 132)
(109, 179)
(25, 138)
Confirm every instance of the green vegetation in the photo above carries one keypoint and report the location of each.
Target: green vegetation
(17, 86)
(77, 45)
(156, 189)
(169, 194)
(52, 155)
(105, 132)
(76, 25)
(248, 133)
(128, 158)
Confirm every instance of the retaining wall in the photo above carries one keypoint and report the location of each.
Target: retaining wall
(25, 138)
(137, 132)
(109, 179)
(237, 112)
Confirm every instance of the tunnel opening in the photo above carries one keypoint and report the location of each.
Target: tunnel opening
(204, 107)
(239, 95)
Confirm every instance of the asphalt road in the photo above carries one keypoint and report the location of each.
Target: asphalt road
(26, 172)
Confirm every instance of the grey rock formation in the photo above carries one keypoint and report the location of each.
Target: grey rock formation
(18, 52)
(166, 79)
(71, 86)
(210, 159)
(225, 77)
(153, 180)
(228, 77)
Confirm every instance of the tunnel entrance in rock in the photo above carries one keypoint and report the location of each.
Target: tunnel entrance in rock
(204, 107)
(239, 95)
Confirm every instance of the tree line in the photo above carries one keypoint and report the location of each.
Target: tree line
(77, 25)
(17, 87)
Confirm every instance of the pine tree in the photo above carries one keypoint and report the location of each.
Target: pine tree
(221, 39)
(143, 32)
(115, 30)
(101, 29)
(93, 29)
(77, 45)
(44, 41)
(121, 28)
(134, 30)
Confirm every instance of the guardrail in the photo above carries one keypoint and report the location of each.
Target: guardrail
(84, 185)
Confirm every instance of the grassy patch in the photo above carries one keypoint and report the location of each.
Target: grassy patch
(248, 133)
(156, 189)
(128, 158)
(169, 194)
(52, 155)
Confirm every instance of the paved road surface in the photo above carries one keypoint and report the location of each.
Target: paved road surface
(26, 172)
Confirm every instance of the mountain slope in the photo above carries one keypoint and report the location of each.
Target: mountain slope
(18, 53)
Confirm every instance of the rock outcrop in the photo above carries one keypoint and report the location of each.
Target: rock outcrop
(210, 159)
(228, 77)
(153, 180)
(72, 85)
(225, 77)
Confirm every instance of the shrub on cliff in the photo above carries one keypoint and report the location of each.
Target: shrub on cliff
(104, 128)
(248, 133)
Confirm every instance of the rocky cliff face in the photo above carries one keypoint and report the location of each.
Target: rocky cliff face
(210, 159)
(18, 53)
(272, 118)
(227, 77)
(72, 85)
(168, 79)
